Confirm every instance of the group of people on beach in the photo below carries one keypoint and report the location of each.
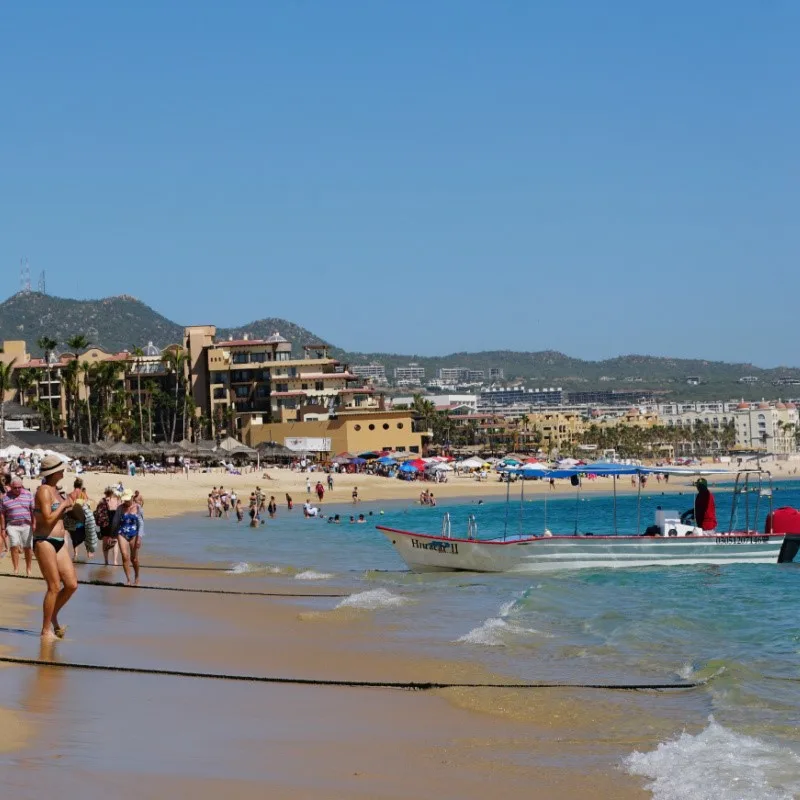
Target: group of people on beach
(52, 524)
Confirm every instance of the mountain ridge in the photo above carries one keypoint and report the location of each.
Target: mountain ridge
(123, 321)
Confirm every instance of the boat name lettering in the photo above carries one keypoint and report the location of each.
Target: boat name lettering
(740, 539)
(440, 547)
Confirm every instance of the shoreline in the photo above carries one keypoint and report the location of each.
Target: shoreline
(175, 495)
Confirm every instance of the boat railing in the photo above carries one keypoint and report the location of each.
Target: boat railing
(446, 531)
(472, 527)
(758, 482)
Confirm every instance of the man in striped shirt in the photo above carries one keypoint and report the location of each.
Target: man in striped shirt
(17, 523)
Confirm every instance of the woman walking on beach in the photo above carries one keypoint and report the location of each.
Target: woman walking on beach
(104, 516)
(128, 524)
(48, 545)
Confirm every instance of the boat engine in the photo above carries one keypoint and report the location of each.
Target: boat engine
(785, 520)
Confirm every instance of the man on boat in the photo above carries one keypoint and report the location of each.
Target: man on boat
(705, 510)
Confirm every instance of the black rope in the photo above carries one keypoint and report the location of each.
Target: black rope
(414, 685)
(190, 589)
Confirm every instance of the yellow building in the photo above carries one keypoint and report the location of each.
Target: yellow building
(350, 431)
(554, 428)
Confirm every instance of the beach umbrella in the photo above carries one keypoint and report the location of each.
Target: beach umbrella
(358, 460)
(368, 456)
(386, 461)
(408, 466)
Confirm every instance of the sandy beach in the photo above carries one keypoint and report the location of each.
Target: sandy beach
(173, 494)
(60, 729)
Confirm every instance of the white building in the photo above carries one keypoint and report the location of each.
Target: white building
(443, 402)
(376, 372)
(765, 427)
(413, 372)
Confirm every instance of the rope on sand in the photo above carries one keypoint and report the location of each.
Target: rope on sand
(192, 590)
(409, 685)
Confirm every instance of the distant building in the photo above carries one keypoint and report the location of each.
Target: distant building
(497, 398)
(373, 372)
(611, 397)
(451, 374)
(412, 372)
(749, 379)
(693, 380)
(496, 374)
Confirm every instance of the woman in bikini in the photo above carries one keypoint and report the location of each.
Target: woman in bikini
(48, 545)
(128, 525)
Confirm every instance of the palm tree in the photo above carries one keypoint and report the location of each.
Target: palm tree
(89, 371)
(175, 362)
(76, 344)
(6, 385)
(48, 345)
(138, 353)
(26, 380)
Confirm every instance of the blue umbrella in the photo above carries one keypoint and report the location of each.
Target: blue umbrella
(407, 467)
(387, 460)
(358, 460)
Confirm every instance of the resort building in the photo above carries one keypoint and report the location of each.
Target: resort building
(551, 430)
(249, 382)
(765, 427)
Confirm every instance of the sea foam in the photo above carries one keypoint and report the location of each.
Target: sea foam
(245, 568)
(373, 599)
(494, 631)
(312, 575)
(718, 763)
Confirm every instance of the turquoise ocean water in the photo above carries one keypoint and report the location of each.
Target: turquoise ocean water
(736, 624)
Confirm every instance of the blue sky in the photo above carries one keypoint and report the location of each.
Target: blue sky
(429, 177)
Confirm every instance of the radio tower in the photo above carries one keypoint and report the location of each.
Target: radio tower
(24, 276)
(42, 283)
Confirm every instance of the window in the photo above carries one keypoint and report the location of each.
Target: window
(240, 358)
(281, 387)
(258, 358)
(304, 386)
(357, 427)
(219, 394)
(319, 386)
(414, 448)
(292, 372)
(386, 428)
(242, 391)
(371, 426)
(399, 426)
(262, 391)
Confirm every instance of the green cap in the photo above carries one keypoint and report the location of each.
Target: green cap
(701, 482)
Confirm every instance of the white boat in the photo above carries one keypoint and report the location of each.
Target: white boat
(669, 542)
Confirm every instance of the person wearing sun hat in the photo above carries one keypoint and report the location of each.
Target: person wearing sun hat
(705, 510)
(55, 564)
(128, 526)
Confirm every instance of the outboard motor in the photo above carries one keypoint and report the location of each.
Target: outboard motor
(785, 520)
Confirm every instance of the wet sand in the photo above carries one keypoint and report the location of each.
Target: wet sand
(94, 734)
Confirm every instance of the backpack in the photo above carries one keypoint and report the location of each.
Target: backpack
(101, 515)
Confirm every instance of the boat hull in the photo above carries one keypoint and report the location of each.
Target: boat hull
(423, 553)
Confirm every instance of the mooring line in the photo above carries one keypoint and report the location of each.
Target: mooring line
(412, 685)
(191, 589)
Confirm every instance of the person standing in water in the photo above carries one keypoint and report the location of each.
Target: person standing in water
(56, 567)
(128, 524)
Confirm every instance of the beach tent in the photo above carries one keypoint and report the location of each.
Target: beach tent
(471, 463)
(440, 467)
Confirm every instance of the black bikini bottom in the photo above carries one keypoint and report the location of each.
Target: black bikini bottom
(57, 543)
